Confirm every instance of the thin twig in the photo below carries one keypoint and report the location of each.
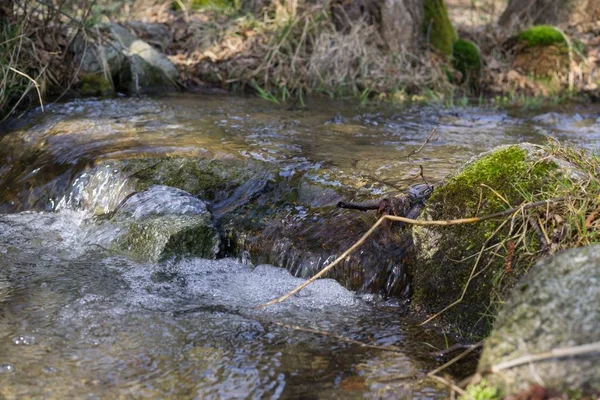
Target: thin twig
(408, 221)
(452, 386)
(584, 349)
(471, 277)
(456, 359)
(412, 153)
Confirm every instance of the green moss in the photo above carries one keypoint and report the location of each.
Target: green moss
(541, 35)
(466, 58)
(96, 85)
(437, 28)
(204, 4)
(482, 391)
(201, 177)
(440, 280)
(160, 237)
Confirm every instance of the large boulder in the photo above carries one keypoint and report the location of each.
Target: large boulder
(448, 259)
(556, 306)
(157, 223)
(125, 63)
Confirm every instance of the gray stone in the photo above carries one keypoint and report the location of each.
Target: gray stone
(557, 305)
(135, 66)
(156, 34)
(157, 223)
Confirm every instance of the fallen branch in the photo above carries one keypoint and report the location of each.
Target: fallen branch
(408, 221)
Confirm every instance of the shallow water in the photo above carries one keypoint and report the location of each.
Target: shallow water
(78, 321)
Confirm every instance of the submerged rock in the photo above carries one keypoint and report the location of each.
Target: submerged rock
(555, 306)
(157, 223)
(447, 257)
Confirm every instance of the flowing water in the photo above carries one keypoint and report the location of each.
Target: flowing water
(79, 321)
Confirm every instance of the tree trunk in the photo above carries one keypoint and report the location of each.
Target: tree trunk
(401, 22)
(521, 13)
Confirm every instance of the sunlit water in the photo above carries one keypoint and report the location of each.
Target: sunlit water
(79, 322)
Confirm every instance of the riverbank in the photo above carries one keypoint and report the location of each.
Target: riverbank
(285, 54)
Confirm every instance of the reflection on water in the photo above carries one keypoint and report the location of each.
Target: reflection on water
(76, 321)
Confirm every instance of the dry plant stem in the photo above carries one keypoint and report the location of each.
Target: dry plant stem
(585, 349)
(408, 221)
(35, 84)
(452, 386)
(412, 153)
(456, 359)
(338, 337)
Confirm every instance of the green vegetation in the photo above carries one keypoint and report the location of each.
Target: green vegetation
(96, 85)
(205, 4)
(485, 259)
(466, 58)
(542, 35)
(437, 28)
(482, 391)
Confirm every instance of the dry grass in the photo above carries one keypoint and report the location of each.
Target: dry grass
(291, 53)
(34, 57)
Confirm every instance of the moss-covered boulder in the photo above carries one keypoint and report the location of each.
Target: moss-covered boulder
(437, 28)
(542, 52)
(556, 306)
(466, 58)
(450, 259)
(158, 223)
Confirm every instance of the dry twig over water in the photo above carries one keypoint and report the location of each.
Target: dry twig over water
(411, 222)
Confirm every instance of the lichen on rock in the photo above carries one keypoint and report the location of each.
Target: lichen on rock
(555, 306)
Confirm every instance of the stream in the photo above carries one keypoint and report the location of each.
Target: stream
(81, 320)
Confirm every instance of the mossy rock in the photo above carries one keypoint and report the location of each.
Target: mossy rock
(446, 255)
(542, 52)
(96, 85)
(209, 179)
(466, 58)
(557, 305)
(158, 223)
(437, 27)
(541, 35)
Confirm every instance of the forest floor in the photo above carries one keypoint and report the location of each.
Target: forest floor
(283, 55)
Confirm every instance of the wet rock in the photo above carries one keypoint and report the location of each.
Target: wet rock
(555, 306)
(445, 256)
(157, 223)
(294, 223)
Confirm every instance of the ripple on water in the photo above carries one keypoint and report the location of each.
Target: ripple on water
(95, 324)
